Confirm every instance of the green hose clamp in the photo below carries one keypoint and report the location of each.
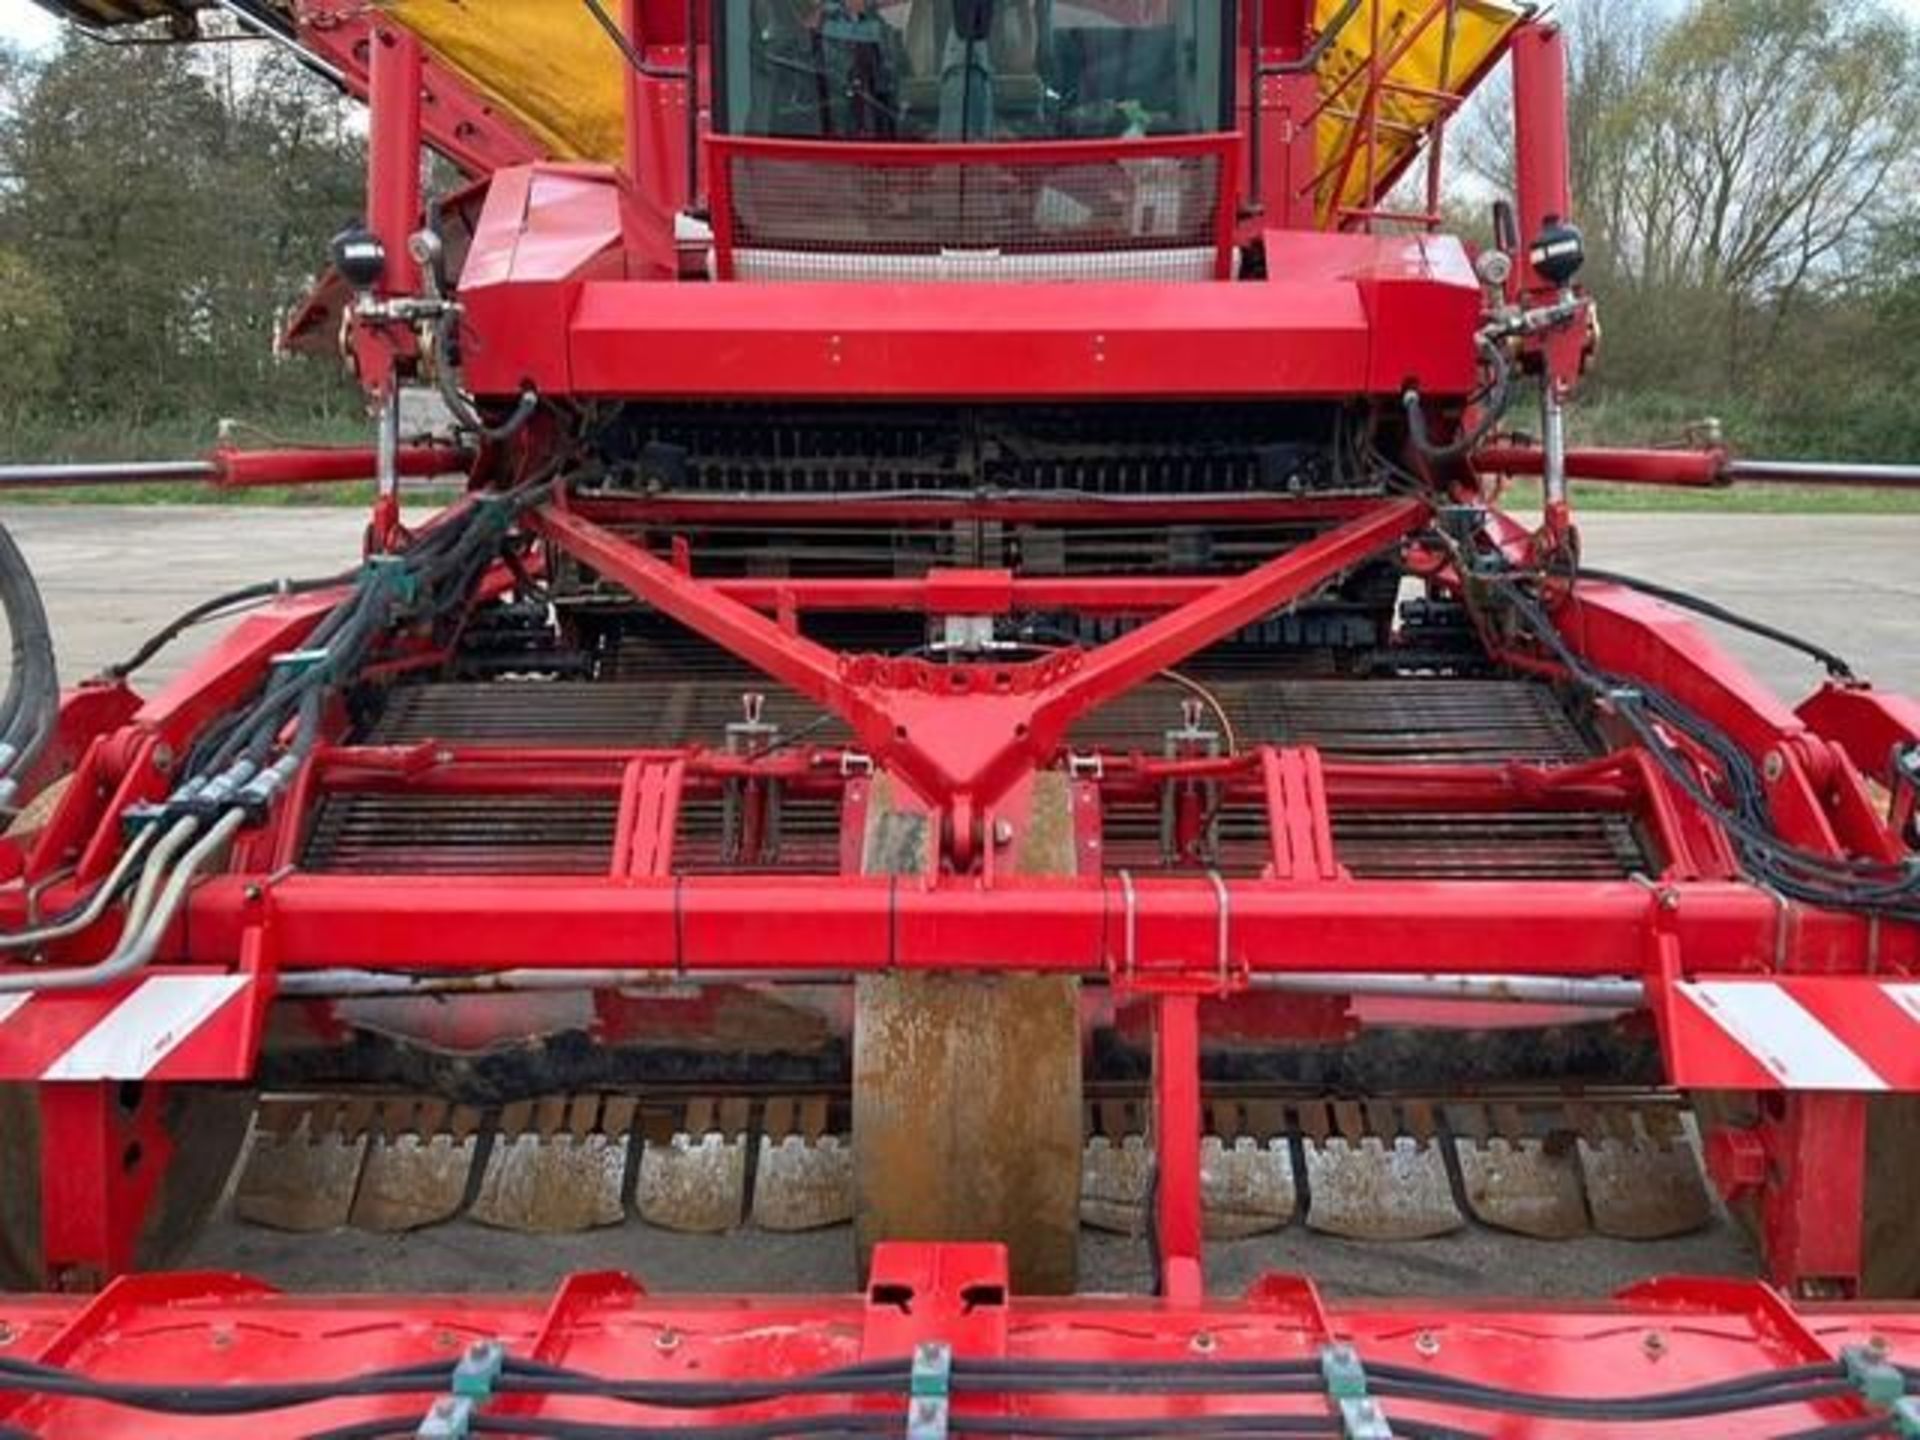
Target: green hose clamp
(930, 1390)
(475, 1378)
(1361, 1417)
(393, 574)
(495, 511)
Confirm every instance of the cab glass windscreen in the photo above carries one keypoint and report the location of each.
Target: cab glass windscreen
(972, 70)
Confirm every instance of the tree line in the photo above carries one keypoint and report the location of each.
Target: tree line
(1747, 173)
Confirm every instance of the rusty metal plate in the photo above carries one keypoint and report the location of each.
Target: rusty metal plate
(693, 1183)
(1115, 1178)
(801, 1183)
(1642, 1190)
(303, 1167)
(967, 1117)
(557, 1166)
(1531, 1187)
(1373, 1189)
(419, 1164)
(1246, 1187)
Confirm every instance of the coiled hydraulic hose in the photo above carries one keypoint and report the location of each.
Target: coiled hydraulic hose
(31, 706)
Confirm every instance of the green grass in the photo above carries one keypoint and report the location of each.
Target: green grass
(1737, 500)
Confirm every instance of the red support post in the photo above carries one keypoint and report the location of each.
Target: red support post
(1176, 1095)
(393, 151)
(104, 1153)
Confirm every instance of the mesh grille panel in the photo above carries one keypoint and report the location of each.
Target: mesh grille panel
(831, 212)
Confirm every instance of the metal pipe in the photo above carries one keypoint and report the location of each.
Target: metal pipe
(1692, 469)
(286, 42)
(95, 906)
(349, 983)
(386, 449)
(153, 910)
(240, 469)
(42, 476)
(1816, 472)
(1688, 469)
(1601, 994)
(1553, 446)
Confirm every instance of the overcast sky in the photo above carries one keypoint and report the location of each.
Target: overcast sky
(26, 25)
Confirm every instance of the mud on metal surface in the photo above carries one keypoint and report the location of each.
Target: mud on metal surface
(1624, 1166)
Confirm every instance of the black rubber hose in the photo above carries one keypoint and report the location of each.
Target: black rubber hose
(460, 405)
(1836, 666)
(218, 608)
(1492, 411)
(32, 702)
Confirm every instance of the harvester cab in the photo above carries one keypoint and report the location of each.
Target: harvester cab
(975, 693)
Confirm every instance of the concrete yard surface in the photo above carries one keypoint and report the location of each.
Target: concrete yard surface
(114, 574)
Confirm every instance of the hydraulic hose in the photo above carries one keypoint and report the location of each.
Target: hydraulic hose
(31, 706)
(220, 607)
(1835, 665)
(153, 910)
(79, 918)
(456, 399)
(1492, 410)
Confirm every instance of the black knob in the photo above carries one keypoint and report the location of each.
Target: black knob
(359, 257)
(1558, 252)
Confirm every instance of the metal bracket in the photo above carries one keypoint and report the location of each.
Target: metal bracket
(1130, 931)
(1085, 767)
(1361, 1417)
(1226, 930)
(1878, 1380)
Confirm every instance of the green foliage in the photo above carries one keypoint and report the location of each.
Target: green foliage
(34, 337)
(1747, 173)
(171, 205)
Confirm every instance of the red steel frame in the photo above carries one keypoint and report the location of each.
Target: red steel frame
(966, 741)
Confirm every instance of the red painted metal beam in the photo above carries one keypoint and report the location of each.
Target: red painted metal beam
(393, 150)
(1691, 469)
(935, 595)
(1091, 511)
(236, 469)
(1119, 666)
(770, 922)
(456, 122)
(961, 735)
